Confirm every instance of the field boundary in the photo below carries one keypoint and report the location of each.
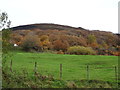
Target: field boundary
(87, 67)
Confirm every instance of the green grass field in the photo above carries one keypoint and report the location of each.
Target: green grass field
(74, 66)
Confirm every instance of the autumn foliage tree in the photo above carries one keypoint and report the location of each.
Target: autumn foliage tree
(92, 42)
(104, 45)
(45, 44)
(16, 39)
(59, 45)
(30, 42)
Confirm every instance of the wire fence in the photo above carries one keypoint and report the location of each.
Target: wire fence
(71, 72)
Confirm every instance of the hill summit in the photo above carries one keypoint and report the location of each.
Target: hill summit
(45, 26)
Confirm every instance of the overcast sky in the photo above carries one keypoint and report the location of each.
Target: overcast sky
(89, 14)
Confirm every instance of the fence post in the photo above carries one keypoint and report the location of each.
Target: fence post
(87, 72)
(60, 71)
(35, 68)
(11, 65)
(116, 74)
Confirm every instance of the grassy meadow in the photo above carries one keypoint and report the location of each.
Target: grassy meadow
(73, 66)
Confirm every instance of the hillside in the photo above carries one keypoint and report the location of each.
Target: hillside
(45, 26)
(61, 37)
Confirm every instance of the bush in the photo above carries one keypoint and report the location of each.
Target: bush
(110, 51)
(81, 50)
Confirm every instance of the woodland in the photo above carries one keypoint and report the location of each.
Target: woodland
(63, 39)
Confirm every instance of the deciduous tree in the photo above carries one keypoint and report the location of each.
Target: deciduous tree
(30, 42)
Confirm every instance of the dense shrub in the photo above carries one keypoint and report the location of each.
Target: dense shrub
(110, 51)
(80, 50)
